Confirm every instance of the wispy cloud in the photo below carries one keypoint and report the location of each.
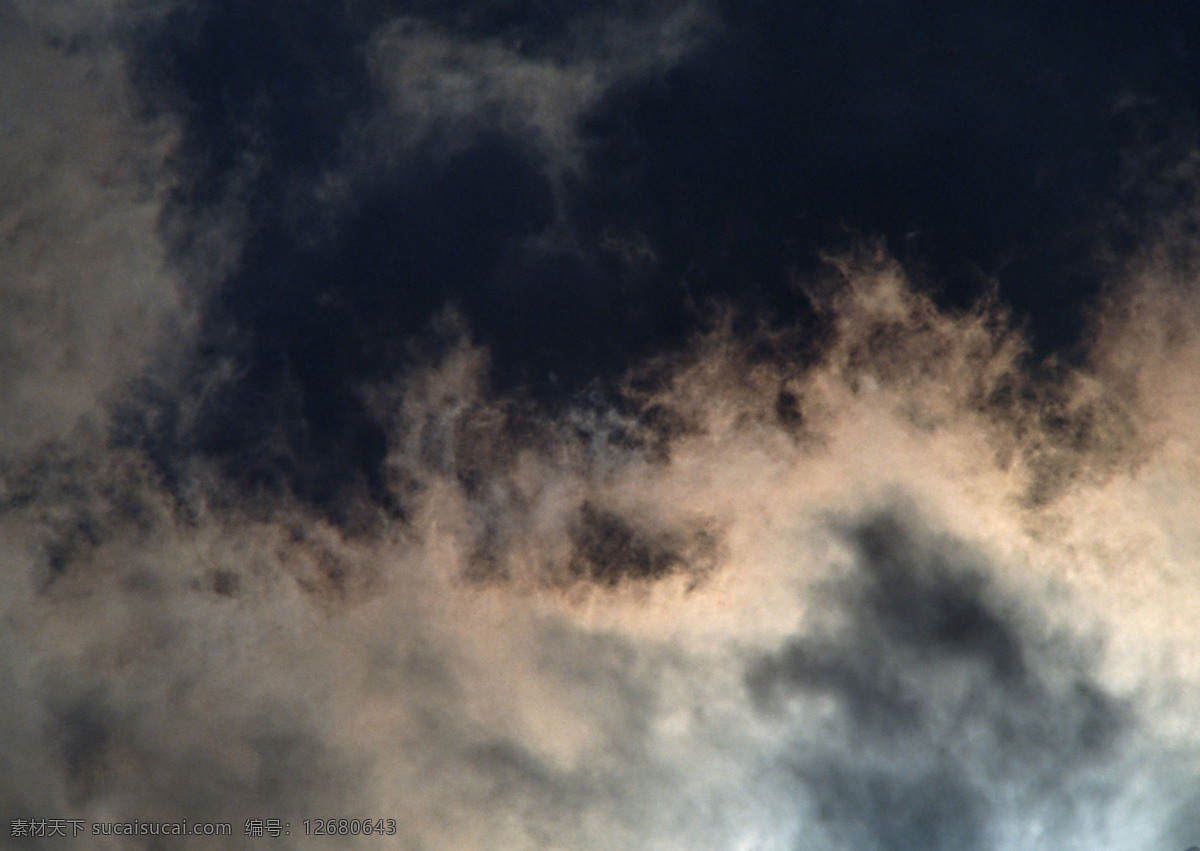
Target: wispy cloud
(446, 88)
(911, 590)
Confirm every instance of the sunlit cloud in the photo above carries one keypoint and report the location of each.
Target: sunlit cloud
(886, 580)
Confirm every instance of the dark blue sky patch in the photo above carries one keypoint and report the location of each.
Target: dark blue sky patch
(269, 81)
(979, 143)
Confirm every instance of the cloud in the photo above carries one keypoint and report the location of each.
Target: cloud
(953, 713)
(81, 22)
(710, 626)
(447, 87)
(88, 291)
(882, 581)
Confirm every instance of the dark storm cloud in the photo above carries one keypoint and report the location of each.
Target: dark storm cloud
(947, 692)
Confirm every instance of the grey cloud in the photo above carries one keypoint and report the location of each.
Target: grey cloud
(952, 704)
(451, 86)
(88, 293)
(88, 23)
(136, 709)
(904, 809)
(609, 548)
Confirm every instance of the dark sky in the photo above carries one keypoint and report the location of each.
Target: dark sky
(982, 143)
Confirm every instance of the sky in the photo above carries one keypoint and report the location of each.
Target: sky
(657, 424)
